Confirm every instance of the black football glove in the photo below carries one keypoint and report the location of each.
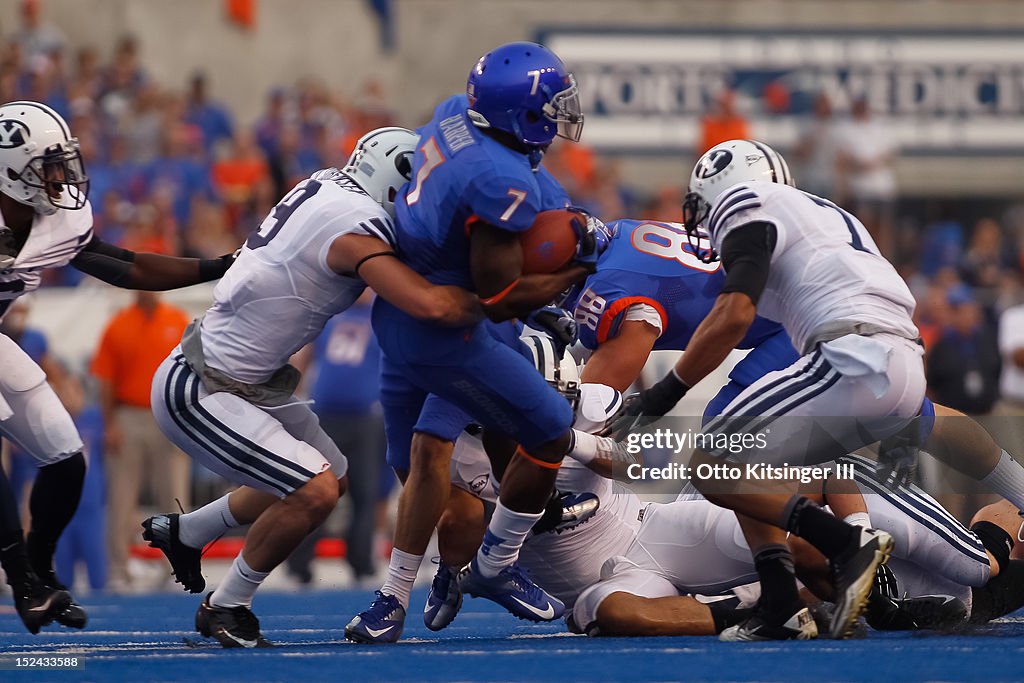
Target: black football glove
(558, 324)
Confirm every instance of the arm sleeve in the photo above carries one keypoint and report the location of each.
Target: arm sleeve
(104, 261)
(746, 255)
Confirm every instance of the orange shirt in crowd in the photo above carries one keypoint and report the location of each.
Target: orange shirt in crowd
(718, 129)
(132, 348)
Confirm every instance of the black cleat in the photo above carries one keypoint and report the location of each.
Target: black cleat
(162, 532)
(854, 575)
(886, 611)
(761, 626)
(72, 616)
(231, 626)
(39, 604)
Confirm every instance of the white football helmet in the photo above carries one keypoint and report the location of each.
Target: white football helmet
(561, 373)
(382, 162)
(721, 167)
(40, 163)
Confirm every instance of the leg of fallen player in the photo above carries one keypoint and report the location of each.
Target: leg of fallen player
(623, 614)
(962, 443)
(773, 503)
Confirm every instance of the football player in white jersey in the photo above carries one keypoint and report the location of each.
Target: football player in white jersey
(694, 547)
(46, 222)
(802, 261)
(847, 310)
(636, 554)
(225, 394)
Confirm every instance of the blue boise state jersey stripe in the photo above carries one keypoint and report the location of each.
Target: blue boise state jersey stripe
(652, 262)
(460, 175)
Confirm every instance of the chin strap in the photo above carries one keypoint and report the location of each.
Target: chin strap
(535, 156)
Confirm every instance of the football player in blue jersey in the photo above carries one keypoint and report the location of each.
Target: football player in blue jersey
(650, 292)
(477, 183)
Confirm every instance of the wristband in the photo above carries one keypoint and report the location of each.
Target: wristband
(214, 268)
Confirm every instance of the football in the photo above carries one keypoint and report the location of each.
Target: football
(550, 242)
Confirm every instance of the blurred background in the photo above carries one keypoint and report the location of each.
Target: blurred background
(195, 116)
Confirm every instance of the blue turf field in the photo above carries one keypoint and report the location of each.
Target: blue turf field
(142, 638)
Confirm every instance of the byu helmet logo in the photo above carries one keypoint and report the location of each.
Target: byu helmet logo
(714, 163)
(13, 133)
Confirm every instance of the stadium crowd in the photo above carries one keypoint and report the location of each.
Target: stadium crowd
(172, 172)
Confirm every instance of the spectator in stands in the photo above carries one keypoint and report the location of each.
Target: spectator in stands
(268, 127)
(181, 170)
(134, 343)
(293, 160)
(36, 36)
(987, 262)
(1011, 346)
(815, 153)
(866, 183)
(964, 365)
(346, 391)
(239, 173)
(212, 118)
(724, 122)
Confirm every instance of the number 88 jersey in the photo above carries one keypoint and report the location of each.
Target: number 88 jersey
(280, 292)
(650, 263)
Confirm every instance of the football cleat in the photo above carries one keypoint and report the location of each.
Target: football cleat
(38, 604)
(383, 622)
(566, 511)
(162, 532)
(799, 626)
(230, 626)
(444, 599)
(72, 616)
(512, 589)
(886, 611)
(854, 575)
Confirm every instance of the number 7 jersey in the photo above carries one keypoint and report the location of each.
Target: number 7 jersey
(280, 292)
(461, 175)
(826, 273)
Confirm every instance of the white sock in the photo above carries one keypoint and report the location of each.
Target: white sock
(1007, 479)
(505, 535)
(858, 519)
(205, 525)
(238, 586)
(401, 575)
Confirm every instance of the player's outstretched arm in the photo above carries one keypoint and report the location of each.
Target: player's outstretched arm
(746, 255)
(496, 264)
(618, 361)
(156, 272)
(378, 266)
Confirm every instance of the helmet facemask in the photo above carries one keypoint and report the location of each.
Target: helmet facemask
(563, 109)
(59, 175)
(695, 212)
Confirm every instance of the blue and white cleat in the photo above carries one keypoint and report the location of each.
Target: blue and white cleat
(444, 599)
(513, 590)
(381, 623)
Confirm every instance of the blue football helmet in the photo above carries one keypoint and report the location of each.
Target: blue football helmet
(524, 89)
